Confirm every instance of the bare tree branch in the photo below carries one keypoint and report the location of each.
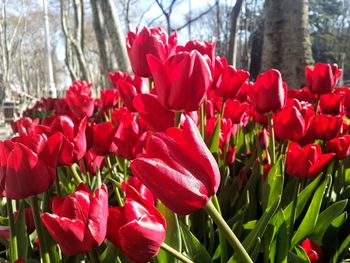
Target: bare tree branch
(196, 18)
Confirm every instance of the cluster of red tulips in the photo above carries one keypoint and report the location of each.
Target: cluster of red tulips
(183, 159)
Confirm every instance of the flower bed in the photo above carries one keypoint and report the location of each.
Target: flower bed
(184, 159)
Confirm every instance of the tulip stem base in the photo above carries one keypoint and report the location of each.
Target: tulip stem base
(242, 254)
(13, 236)
(39, 228)
(272, 144)
(75, 174)
(175, 253)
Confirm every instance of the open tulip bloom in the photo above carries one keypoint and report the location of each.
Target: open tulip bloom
(184, 159)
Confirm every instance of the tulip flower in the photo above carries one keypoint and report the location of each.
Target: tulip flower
(313, 251)
(103, 138)
(156, 117)
(332, 104)
(78, 222)
(236, 111)
(153, 41)
(307, 161)
(28, 164)
(73, 139)
(323, 78)
(203, 47)
(26, 125)
(79, 100)
(91, 163)
(230, 82)
(289, 124)
(269, 92)
(340, 146)
(109, 98)
(327, 127)
(137, 228)
(303, 94)
(182, 177)
(181, 82)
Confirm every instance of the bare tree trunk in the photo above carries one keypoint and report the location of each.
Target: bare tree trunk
(76, 41)
(101, 35)
(234, 20)
(287, 44)
(116, 34)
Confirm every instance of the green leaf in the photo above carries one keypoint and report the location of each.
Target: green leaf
(309, 221)
(344, 245)
(4, 221)
(196, 250)
(326, 218)
(173, 234)
(337, 223)
(303, 198)
(215, 138)
(258, 231)
(21, 232)
(109, 255)
(282, 243)
(273, 186)
(299, 257)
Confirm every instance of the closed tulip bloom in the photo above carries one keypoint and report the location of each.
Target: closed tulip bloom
(153, 41)
(137, 228)
(103, 138)
(236, 111)
(269, 92)
(230, 81)
(307, 161)
(327, 127)
(289, 124)
(181, 82)
(179, 169)
(73, 145)
(332, 104)
(313, 251)
(340, 146)
(28, 164)
(78, 222)
(323, 78)
(108, 98)
(91, 162)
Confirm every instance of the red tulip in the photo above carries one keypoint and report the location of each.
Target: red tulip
(269, 92)
(289, 124)
(181, 82)
(313, 251)
(304, 162)
(79, 100)
(137, 228)
(91, 162)
(26, 125)
(230, 82)
(303, 94)
(109, 98)
(28, 164)
(78, 222)
(182, 177)
(236, 111)
(332, 104)
(73, 139)
(340, 146)
(103, 138)
(227, 130)
(203, 47)
(323, 78)
(157, 117)
(327, 127)
(153, 41)
(143, 191)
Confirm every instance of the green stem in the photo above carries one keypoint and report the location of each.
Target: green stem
(230, 236)
(222, 238)
(177, 119)
(222, 107)
(202, 120)
(39, 228)
(93, 256)
(75, 174)
(57, 182)
(317, 103)
(13, 239)
(272, 145)
(292, 217)
(175, 253)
